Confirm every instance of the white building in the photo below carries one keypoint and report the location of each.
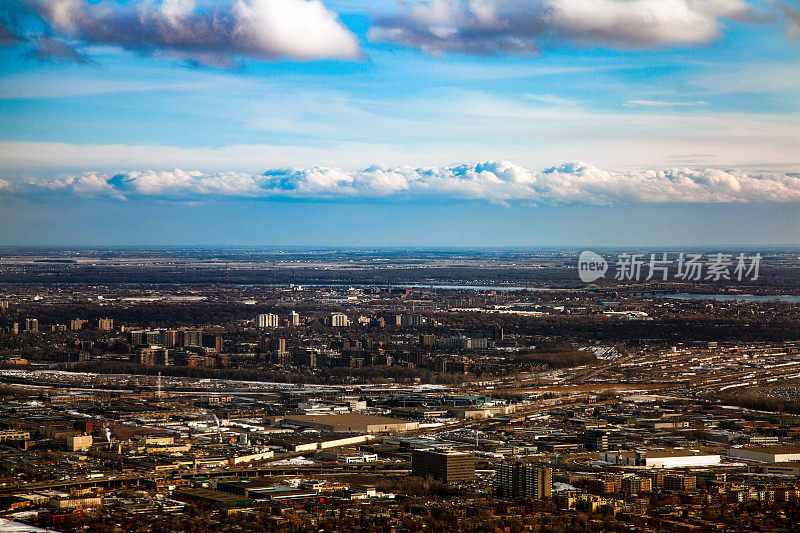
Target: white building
(678, 458)
(294, 319)
(339, 320)
(269, 320)
(766, 454)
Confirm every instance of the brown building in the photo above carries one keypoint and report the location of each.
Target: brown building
(602, 486)
(636, 485)
(445, 465)
(277, 345)
(523, 481)
(152, 355)
(679, 482)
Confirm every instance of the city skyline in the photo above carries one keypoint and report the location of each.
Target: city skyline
(444, 123)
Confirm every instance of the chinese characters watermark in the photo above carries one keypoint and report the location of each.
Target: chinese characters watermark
(678, 267)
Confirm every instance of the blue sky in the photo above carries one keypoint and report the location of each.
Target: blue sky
(563, 121)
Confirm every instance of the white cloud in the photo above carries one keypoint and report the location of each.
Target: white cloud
(662, 103)
(215, 34)
(494, 181)
(520, 26)
(643, 23)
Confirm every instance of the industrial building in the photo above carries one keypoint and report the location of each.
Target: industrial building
(766, 454)
(352, 423)
(677, 458)
(225, 500)
(602, 440)
(78, 442)
(779, 469)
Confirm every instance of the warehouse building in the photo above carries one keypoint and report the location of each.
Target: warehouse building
(678, 458)
(224, 500)
(352, 423)
(776, 469)
(766, 454)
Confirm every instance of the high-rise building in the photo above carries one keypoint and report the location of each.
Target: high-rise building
(412, 320)
(152, 355)
(305, 357)
(497, 333)
(339, 320)
(277, 345)
(282, 358)
(190, 337)
(445, 465)
(31, 324)
(213, 341)
(105, 324)
(266, 320)
(294, 319)
(523, 481)
(144, 337)
(76, 323)
(168, 338)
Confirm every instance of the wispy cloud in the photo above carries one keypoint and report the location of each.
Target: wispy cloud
(754, 78)
(49, 48)
(662, 103)
(551, 99)
(214, 34)
(493, 181)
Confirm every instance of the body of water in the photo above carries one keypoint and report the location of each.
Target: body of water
(730, 297)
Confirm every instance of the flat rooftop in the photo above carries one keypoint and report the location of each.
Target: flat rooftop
(656, 454)
(776, 449)
(449, 453)
(347, 419)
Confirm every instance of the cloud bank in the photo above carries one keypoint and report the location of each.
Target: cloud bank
(487, 27)
(493, 181)
(219, 33)
(212, 33)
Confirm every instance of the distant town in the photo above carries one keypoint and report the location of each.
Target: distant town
(393, 390)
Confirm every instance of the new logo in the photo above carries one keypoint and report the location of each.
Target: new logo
(591, 266)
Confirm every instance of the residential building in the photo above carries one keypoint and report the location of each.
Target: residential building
(523, 481)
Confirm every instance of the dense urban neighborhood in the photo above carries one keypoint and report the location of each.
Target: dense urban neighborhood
(401, 406)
